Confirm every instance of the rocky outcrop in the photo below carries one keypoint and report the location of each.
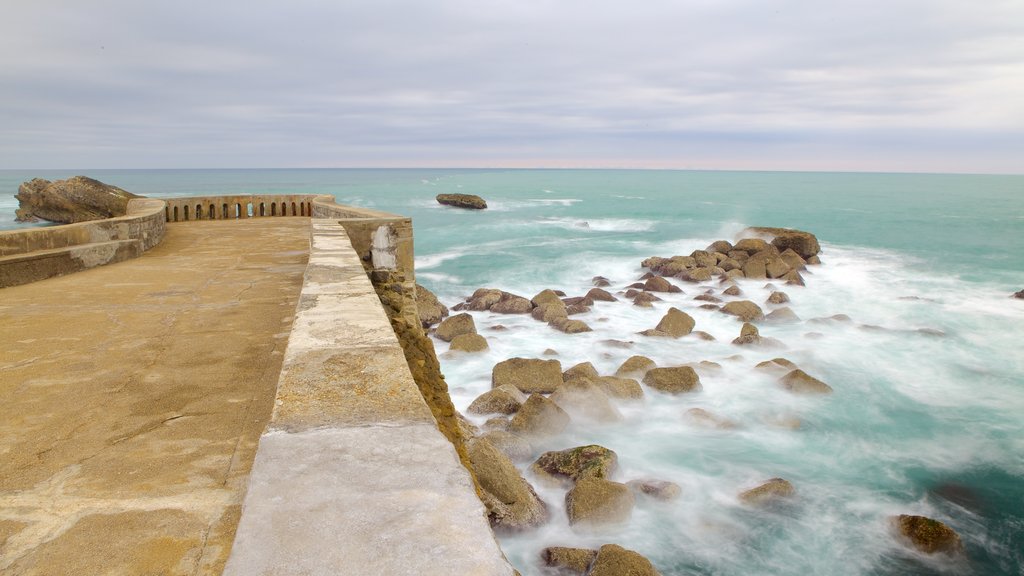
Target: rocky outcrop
(455, 326)
(77, 199)
(429, 308)
(1019, 294)
(928, 535)
(511, 502)
(803, 243)
(569, 466)
(572, 560)
(614, 560)
(771, 491)
(676, 380)
(470, 201)
(596, 502)
(505, 399)
(530, 375)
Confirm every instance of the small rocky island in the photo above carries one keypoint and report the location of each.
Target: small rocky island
(77, 199)
(469, 201)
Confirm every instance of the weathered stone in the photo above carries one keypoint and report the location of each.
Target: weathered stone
(654, 333)
(581, 370)
(482, 299)
(744, 309)
(729, 264)
(613, 343)
(793, 260)
(469, 343)
(614, 560)
(928, 535)
(738, 255)
(644, 299)
(570, 326)
(580, 301)
(703, 259)
(777, 364)
(626, 388)
(751, 246)
(599, 295)
(496, 424)
(652, 262)
(706, 419)
(720, 246)
(748, 335)
(550, 352)
(782, 315)
(547, 297)
(600, 281)
(778, 298)
(511, 304)
(754, 268)
(511, 502)
(659, 284)
(550, 312)
(676, 323)
(703, 335)
(470, 201)
(813, 260)
(775, 267)
(707, 298)
(428, 307)
(770, 491)
(675, 380)
(635, 366)
(803, 243)
(505, 399)
(596, 501)
(732, 291)
(696, 274)
(730, 276)
(574, 309)
(454, 326)
(657, 489)
(575, 560)
(800, 382)
(538, 416)
(515, 447)
(569, 466)
(77, 199)
(583, 399)
(529, 375)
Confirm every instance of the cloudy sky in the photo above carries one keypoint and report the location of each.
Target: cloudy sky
(893, 85)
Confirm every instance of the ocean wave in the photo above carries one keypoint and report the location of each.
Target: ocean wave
(556, 201)
(600, 224)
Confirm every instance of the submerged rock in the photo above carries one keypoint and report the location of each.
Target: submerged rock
(570, 326)
(581, 398)
(581, 370)
(744, 309)
(505, 399)
(455, 326)
(676, 380)
(469, 343)
(537, 417)
(624, 388)
(470, 201)
(657, 489)
(800, 382)
(569, 466)
(515, 447)
(512, 504)
(635, 366)
(596, 501)
(614, 560)
(77, 199)
(702, 417)
(928, 535)
(770, 491)
(599, 295)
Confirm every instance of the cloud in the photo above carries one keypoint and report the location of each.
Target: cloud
(696, 84)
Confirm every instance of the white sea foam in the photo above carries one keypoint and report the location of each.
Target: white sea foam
(599, 224)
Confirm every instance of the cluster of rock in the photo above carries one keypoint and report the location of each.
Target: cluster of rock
(77, 199)
(470, 201)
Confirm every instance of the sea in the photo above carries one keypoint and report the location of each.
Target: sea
(927, 413)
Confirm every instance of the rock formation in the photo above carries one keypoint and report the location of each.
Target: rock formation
(470, 201)
(770, 491)
(614, 560)
(569, 466)
(511, 502)
(430, 309)
(928, 535)
(530, 375)
(675, 380)
(77, 199)
(596, 501)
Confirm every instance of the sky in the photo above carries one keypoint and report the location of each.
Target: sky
(867, 85)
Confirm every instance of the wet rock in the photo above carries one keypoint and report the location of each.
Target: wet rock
(429, 308)
(754, 268)
(515, 447)
(635, 367)
(704, 259)
(793, 260)
(77, 199)
(777, 365)
(574, 560)
(657, 489)
(659, 284)
(600, 281)
(623, 388)
(583, 399)
(730, 276)
(744, 309)
(749, 335)
(537, 417)
(793, 278)
(722, 246)
(569, 466)
(675, 380)
(772, 490)
(574, 309)
(469, 201)
(653, 262)
(705, 419)
(928, 535)
(738, 255)
(778, 298)
(733, 291)
(530, 375)
(813, 260)
(644, 299)
(676, 323)
(707, 298)
(596, 502)
(505, 399)
(550, 352)
(511, 304)
(454, 326)
(496, 424)
(624, 344)
(469, 343)
(696, 274)
(550, 312)
(579, 301)
(511, 502)
(1019, 294)
(800, 382)
(803, 243)
(599, 295)
(751, 246)
(614, 560)
(570, 326)
(482, 299)
(710, 306)
(581, 370)
(783, 315)
(703, 335)
(547, 297)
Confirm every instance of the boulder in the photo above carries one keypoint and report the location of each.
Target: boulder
(583, 399)
(703, 335)
(599, 295)
(705, 419)
(547, 297)
(659, 284)
(744, 309)
(696, 274)
(800, 382)
(569, 326)
(482, 299)
(653, 262)
(600, 281)
(776, 267)
(578, 301)
(777, 364)
(511, 304)
(657, 489)
(635, 366)
(644, 299)
(704, 259)
(530, 375)
(614, 560)
(454, 326)
(429, 308)
(511, 502)
(676, 380)
(1019, 294)
(770, 491)
(754, 268)
(778, 298)
(730, 264)
(469, 343)
(707, 298)
(515, 447)
(574, 560)
(732, 291)
(550, 312)
(496, 424)
(722, 246)
(573, 309)
(928, 535)
(751, 246)
(782, 315)
(793, 278)
(813, 260)
(505, 399)
(581, 370)
(803, 243)
(538, 417)
(596, 501)
(654, 333)
(676, 323)
(793, 260)
(470, 201)
(623, 388)
(738, 255)
(569, 466)
(77, 199)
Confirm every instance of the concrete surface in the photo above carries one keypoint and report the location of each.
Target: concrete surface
(132, 397)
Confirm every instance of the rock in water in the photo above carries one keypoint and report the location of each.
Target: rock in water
(456, 326)
(575, 560)
(614, 560)
(511, 502)
(676, 323)
(429, 308)
(571, 465)
(676, 380)
(928, 535)
(77, 199)
(471, 201)
(770, 491)
(745, 310)
(528, 374)
(1019, 294)
(801, 382)
(595, 501)
(803, 243)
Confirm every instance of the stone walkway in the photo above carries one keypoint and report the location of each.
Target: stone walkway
(132, 397)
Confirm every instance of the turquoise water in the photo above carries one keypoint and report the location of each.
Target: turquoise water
(919, 423)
